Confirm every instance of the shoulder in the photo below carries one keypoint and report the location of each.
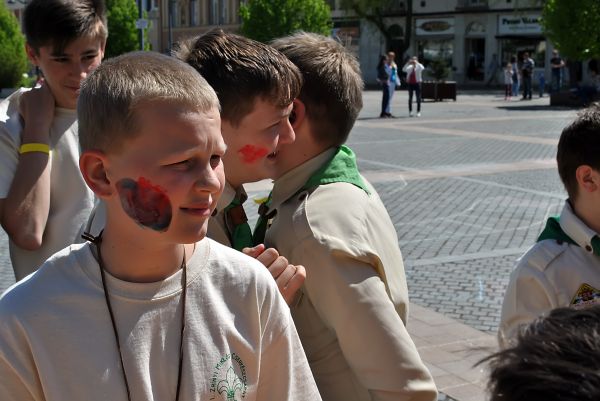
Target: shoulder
(51, 283)
(542, 255)
(10, 122)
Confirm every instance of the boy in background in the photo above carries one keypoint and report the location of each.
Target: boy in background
(563, 268)
(43, 198)
(352, 309)
(256, 85)
(150, 309)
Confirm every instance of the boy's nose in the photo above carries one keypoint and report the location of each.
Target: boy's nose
(287, 135)
(209, 180)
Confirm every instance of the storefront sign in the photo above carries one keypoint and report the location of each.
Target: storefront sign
(519, 24)
(435, 26)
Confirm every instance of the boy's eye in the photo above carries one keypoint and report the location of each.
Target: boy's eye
(61, 59)
(180, 165)
(215, 160)
(90, 56)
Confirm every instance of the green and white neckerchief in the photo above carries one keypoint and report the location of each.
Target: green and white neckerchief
(554, 231)
(242, 234)
(341, 168)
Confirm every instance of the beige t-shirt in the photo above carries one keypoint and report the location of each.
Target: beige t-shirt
(353, 306)
(550, 275)
(217, 225)
(57, 341)
(70, 199)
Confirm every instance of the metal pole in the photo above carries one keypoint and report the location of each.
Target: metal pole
(141, 29)
(170, 14)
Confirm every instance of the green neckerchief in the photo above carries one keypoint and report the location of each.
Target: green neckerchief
(242, 235)
(341, 168)
(554, 231)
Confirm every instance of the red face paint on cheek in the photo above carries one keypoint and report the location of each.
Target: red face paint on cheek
(145, 203)
(251, 154)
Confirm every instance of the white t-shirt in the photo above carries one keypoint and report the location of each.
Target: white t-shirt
(70, 199)
(57, 341)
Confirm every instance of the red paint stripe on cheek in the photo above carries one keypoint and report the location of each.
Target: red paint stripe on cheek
(251, 154)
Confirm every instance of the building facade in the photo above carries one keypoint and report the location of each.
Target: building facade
(475, 37)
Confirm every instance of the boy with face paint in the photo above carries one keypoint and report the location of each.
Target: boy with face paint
(256, 86)
(150, 309)
(43, 198)
(354, 303)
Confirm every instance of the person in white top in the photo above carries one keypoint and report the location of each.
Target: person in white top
(150, 309)
(563, 268)
(414, 77)
(43, 198)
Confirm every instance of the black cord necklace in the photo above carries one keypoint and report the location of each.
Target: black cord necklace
(97, 241)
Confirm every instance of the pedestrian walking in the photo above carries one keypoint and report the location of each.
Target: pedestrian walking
(556, 64)
(526, 73)
(493, 70)
(392, 69)
(384, 80)
(414, 77)
(516, 78)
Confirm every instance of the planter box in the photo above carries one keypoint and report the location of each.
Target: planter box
(438, 90)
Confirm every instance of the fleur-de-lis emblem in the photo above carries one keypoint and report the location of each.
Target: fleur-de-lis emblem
(230, 385)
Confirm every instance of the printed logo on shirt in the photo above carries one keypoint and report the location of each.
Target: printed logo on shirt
(229, 379)
(585, 297)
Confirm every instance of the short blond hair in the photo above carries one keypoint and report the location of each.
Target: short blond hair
(332, 90)
(110, 96)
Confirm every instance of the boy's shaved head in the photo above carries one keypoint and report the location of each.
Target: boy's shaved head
(110, 96)
(58, 22)
(241, 70)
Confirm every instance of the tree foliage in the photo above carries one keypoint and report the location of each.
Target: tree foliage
(376, 12)
(122, 33)
(264, 20)
(13, 61)
(573, 27)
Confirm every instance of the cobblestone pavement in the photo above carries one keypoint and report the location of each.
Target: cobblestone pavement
(468, 186)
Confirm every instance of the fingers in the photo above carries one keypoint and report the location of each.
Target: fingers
(288, 287)
(255, 251)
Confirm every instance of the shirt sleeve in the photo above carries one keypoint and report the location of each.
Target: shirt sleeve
(9, 158)
(284, 371)
(351, 299)
(529, 295)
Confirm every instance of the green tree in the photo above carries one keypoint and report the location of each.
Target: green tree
(264, 20)
(122, 33)
(13, 62)
(376, 13)
(573, 27)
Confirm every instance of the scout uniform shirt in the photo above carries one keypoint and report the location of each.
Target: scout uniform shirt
(229, 225)
(352, 309)
(562, 269)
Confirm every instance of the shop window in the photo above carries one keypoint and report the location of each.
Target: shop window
(431, 49)
(194, 13)
(475, 63)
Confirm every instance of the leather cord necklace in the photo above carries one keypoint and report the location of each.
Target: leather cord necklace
(97, 241)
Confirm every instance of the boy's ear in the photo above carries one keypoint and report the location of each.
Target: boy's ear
(298, 114)
(588, 179)
(32, 54)
(92, 164)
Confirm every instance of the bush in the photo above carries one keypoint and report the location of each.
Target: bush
(13, 62)
(265, 20)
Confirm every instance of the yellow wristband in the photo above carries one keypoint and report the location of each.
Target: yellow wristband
(34, 147)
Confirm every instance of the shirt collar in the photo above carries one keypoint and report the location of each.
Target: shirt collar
(576, 229)
(229, 193)
(289, 183)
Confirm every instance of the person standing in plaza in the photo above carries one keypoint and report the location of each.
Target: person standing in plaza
(557, 64)
(492, 71)
(43, 198)
(527, 75)
(383, 78)
(516, 78)
(351, 311)
(394, 80)
(508, 81)
(414, 77)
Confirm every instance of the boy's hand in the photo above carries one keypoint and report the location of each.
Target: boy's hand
(289, 278)
(37, 110)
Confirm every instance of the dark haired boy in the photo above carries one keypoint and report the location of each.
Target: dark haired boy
(324, 215)
(43, 198)
(150, 309)
(256, 85)
(563, 268)
(556, 357)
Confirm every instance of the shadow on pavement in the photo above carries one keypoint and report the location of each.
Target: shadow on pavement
(534, 107)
